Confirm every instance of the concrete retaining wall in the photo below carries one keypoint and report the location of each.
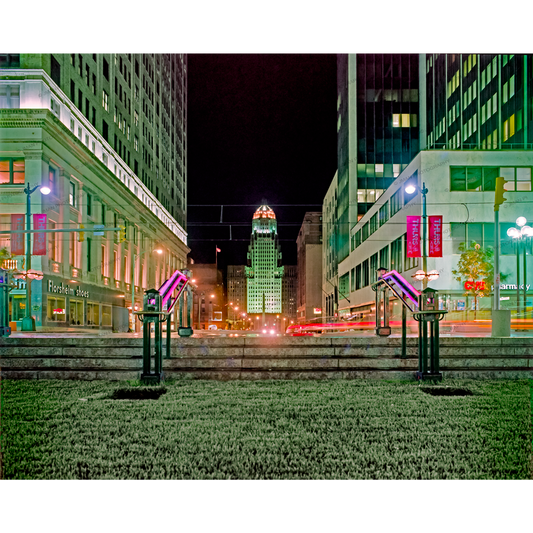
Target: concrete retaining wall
(251, 358)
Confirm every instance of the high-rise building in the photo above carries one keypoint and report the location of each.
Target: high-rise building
(236, 297)
(329, 255)
(475, 124)
(309, 250)
(264, 271)
(107, 134)
(289, 289)
(377, 131)
(477, 101)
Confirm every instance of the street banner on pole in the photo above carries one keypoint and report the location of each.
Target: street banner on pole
(413, 236)
(17, 239)
(39, 239)
(435, 236)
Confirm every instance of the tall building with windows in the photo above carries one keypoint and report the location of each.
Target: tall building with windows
(289, 291)
(107, 134)
(377, 131)
(264, 271)
(309, 250)
(236, 290)
(478, 101)
(475, 121)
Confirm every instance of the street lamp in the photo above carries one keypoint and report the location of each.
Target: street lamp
(28, 322)
(157, 250)
(410, 189)
(519, 235)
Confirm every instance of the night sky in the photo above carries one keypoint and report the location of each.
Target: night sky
(259, 126)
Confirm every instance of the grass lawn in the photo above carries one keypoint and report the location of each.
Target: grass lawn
(354, 429)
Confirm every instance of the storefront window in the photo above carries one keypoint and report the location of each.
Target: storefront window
(106, 315)
(76, 312)
(93, 314)
(56, 309)
(18, 307)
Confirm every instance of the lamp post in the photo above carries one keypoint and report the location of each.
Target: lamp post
(519, 235)
(159, 251)
(28, 322)
(410, 189)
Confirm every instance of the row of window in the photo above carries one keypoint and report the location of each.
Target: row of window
(365, 273)
(484, 178)
(97, 314)
(465, 178)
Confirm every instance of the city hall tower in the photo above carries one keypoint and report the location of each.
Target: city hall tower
(264, 270)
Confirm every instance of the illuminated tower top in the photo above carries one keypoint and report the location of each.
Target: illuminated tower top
(264, 221)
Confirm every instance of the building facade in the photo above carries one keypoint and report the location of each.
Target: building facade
(236, 296)
(289, 287)
(309, 276)
(461, 103)
(377, 131)
(329, 252)
(478, 101)
(82, 125)
(264, 271)
(460, 187)
(208, 296)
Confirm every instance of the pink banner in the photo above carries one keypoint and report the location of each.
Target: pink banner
(435, 236)
(17, 239)
(413, 236)
(39, 239)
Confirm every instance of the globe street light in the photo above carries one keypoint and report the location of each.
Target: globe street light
(520, 235)
(28, 322)
(410, 189)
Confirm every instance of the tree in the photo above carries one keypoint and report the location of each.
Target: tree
(476, 267)
(4, 254)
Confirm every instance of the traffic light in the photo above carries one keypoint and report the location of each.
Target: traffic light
(81, 234)
(500, 189)
(122, 233)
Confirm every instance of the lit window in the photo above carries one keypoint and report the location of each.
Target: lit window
(474, 121)
(12, 171)
(405, 120)
(482, 114)
(494, 67)
(72, 194)
(396, 170)
(483, 80)
(414, 120)
(504, 96)
(395, 120)
(511, 86)
(511, 126)
(494, 103)
(488, 73)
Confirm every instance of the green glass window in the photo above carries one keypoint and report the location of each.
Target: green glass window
(384, 213)
(373, 268)
(395, 202)
(384, 258)
(473, 178)
(489, 178)
(365, 232)
(458, 179)
(357, 277)
(396, 255)
(366, 278)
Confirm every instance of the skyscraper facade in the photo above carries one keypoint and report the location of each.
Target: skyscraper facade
(478, 101)
(264, 271)
(309, 250)
(107, 134)
(475, 120)
(289, 289)
(377, 131)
